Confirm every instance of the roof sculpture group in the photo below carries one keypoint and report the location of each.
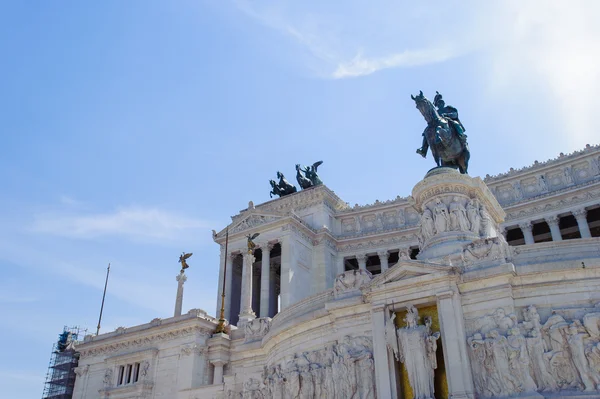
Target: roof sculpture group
(307, 177)
(444, 135)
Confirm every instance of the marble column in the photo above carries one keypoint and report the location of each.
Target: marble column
(456, 357)
(527, 228)
(554, 227)
(362, 261)
(273, 294)
(581, 217)
(229, 285)
(381, 354)
(246, 312)
(218, 374)
(181, 278)
(265, 280)
(383, 259)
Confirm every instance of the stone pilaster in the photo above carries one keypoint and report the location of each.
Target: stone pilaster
(581, 217)
(456, 357)
(246, 312)
(554, 227)
(362, 261)
(381, 354)
(383, 259)
(181, 279)
(527, 229)
(265, 279)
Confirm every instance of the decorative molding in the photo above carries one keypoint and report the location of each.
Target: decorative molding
(538, 165)
(144, 341)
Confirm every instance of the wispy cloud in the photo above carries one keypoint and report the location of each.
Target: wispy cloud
(137, 223)
(360, 65)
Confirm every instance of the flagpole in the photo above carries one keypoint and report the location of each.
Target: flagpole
(221, 326)
(103, 296)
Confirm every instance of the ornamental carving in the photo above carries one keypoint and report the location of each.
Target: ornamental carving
(341, 370)
(143, 341)
(510, 358)
(350, 282)
(256, 329)
(252, 221)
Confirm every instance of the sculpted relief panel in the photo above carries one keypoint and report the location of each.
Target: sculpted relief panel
(463, 215)
(340, 370)
(508, 357)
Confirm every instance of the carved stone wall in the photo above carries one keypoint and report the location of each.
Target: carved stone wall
(340, 370)
(509, 357)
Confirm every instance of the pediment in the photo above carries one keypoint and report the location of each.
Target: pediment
(407, 270)
(250, 219)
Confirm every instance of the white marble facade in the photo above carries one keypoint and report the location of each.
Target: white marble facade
(519, 317)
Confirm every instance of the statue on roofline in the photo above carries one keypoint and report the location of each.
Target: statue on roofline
(308, 177)
(283, 187)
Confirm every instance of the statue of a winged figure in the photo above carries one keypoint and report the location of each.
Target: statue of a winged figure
(182, 260)
(251, 244)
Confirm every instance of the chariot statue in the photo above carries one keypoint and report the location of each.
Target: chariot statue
(283, 187)
(444, 134)
(307, 177)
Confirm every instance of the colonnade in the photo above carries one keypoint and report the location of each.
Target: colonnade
(553, 221)
(383, 255)
(245, 293)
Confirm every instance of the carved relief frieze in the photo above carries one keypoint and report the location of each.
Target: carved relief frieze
(343, 369)
(508, 357)
(256, 329)
(350, 282)
(251, 222)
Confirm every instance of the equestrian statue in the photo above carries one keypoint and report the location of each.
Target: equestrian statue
(282, 188)
(444, 134)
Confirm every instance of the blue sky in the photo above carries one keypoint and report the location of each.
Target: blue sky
(131, 129)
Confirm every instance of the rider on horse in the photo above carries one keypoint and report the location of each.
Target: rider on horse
(451, 114)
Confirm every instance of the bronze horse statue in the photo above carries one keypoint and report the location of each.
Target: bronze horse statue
(283, 188)
(446, 146)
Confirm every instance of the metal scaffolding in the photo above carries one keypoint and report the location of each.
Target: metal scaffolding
(60, 378)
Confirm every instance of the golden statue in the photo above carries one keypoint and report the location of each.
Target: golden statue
(182, 260)
(251, 244)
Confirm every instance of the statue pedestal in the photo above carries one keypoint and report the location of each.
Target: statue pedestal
(456, 210)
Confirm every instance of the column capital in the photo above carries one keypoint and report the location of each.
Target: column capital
(383, 253)
(181, 278)
(445, 294)
(552, 220)
(526, 226)
(233, 255)
(579, 213)
(361, 257)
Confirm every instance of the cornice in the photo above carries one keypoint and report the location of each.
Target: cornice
(90, 349)
(536, 166)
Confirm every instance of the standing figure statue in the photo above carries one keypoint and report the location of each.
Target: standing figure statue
(308, 177)
(444, 134)
(283, 187)
(441, 217)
